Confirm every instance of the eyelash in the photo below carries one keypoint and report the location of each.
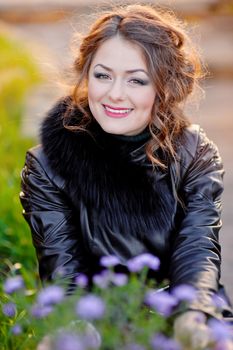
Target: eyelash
(101, 76)
(139, 81)
(104, 76)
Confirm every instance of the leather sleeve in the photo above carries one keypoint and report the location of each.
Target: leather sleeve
(55, 231)
(196, 256)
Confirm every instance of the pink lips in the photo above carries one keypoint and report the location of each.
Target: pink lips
(115, 114)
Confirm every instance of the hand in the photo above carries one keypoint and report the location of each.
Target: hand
(191, 330)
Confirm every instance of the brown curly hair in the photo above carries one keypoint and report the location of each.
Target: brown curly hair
(172, 62)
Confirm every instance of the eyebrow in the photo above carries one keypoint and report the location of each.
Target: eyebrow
(128, 71)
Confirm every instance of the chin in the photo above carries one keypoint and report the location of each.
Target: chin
(112, 130)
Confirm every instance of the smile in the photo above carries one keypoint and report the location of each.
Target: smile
(117, 112)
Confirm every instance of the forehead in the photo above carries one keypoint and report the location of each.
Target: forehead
(120, 54)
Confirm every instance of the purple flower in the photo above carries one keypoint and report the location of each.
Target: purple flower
(162, 302)
(41, 311)
(50, 295)
(9, 309)
(220, 331)
(81, 280)
(103, 279)
(119, 279)
(90, 307)
(12, 284)
(137, 263)
(185, 292)
(160, 342)
(218, 301)
(68, 341)
(16, 329)
(109, 261)
(222, 345)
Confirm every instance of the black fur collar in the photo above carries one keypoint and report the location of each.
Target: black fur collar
(109, 175)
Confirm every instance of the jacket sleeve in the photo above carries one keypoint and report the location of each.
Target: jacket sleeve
(55, 230)
(196, 254)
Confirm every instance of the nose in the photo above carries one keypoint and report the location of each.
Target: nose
(116, 91)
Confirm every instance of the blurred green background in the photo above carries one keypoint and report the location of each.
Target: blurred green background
(18, 73)
(35, 38)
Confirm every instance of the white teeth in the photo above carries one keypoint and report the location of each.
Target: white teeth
(117, 111)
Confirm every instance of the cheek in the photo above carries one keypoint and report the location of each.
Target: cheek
(145, 100)
(91, 90)
(95, 91)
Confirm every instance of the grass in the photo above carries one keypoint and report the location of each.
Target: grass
(18, 74)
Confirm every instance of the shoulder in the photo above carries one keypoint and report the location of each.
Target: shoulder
(38, 163)
(60, 151)
(188, 144)
(198, 157)
(190, 139)
(194, 144)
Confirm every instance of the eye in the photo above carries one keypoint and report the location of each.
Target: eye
(101, 76)
(138, 81)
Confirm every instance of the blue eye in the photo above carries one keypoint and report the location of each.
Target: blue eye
(101, 76)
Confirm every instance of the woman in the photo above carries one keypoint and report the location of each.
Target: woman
(120, 169)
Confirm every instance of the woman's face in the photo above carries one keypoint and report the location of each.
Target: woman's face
(120, 91)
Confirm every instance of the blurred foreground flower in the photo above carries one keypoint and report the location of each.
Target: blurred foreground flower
(160, 342)
(137, 263)
(119, 279)
(161, 301)
(90, 307)
(102, 279)
(184, 292)
(13, 284)
(70, 338)
(68, 341)
(81, 280)
(219, 330)
(116, 310)
(109, 261)
(50, 295)
(16, 329)
(41, 311)
(9, 309)
(218, 301)
(106, 277)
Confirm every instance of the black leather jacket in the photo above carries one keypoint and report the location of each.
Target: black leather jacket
(86, 197)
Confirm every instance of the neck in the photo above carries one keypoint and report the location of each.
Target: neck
(142, 136)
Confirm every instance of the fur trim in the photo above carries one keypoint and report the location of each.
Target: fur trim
(104, 173)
